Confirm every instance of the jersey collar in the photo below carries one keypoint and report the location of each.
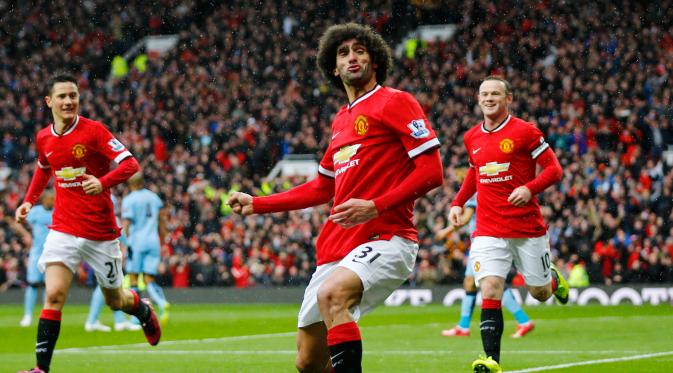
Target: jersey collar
(499, 127)
(364, 97)
(72, 128)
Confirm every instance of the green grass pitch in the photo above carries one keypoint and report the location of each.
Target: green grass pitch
(261, 338)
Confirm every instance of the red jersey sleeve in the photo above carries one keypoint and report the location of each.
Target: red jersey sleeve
(42, 161)
(535, 142)
(406, 117)
(109, 146)
(326, 166)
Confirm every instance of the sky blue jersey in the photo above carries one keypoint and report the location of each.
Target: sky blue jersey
(39, 219)
(142, 208)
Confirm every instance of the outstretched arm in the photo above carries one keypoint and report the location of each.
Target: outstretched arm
(37, 184)
(427, 175)
(315, 192)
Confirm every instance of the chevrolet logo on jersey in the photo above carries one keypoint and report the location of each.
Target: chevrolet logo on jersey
(493, 168)
(345, 154)
(69, 173)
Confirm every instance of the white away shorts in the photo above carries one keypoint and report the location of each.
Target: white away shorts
(382, 267)
(105, 257)
(491, 256)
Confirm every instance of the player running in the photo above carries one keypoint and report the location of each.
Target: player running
(503, 152)
(524, 325)
(78, 152)
(383, 154)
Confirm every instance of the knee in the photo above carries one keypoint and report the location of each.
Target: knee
(303, 365)
(491, 289)
(332, 298)
(55, 299)
(307, 364)
(540, 293)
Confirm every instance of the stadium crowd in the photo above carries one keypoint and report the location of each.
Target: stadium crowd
(240, 91)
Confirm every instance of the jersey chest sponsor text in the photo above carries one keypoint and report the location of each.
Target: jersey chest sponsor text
(343, 159)
(66, 176)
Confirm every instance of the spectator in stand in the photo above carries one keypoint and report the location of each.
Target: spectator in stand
(601, 96)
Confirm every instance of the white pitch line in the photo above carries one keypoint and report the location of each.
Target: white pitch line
(288, 352)
(592, 362)
(185, 341)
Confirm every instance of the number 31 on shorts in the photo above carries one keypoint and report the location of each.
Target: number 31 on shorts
(364, 256)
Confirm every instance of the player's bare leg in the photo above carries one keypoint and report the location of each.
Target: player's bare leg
(541, 293)
(491, 325)
(58, 278)
(129, 302)
(341, 291)
(557, 287)
(312, 351)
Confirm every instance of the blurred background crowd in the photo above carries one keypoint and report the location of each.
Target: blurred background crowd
(241, 90)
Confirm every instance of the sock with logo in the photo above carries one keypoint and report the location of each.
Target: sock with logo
(139, 309)
(47, 334)
(491, 327)
(345, 346)
(554, 281)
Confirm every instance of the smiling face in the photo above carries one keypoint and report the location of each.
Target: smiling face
(354, 64)
(63, 101)
(494, 99)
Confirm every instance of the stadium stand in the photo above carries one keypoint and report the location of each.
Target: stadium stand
(240, 91)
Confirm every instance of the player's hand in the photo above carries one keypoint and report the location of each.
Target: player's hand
(354, 212)
(241, 203)
(520, 196)
(91, 185)
(456, 215)
(22, 211)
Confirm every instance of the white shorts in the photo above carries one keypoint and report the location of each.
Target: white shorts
(491, 256)
(105, 257)
(382, 267)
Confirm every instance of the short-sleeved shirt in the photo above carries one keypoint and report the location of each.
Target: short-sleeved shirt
(374, 140)
(142, 208)
(86, 148)
(39, 219)
(504, 159)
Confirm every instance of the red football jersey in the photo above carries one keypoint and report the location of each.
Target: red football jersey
(86, 148)
(374, 141)
(504, 159)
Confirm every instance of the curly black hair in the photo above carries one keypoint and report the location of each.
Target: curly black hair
(335, 35)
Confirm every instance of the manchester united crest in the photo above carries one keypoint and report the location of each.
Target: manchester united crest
(79, 151)
(507, 146)
(361, 125)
